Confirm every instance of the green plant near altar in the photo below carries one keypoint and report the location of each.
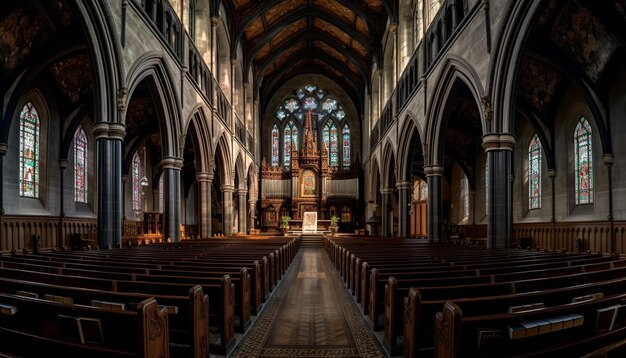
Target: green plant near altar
(334, 220)
(284, 221)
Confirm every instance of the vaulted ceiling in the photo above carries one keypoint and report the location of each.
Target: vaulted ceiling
(284, 38)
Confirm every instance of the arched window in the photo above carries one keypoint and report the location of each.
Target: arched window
(275, 146)
(346, 146)
(137, 173)
(324, 107)
(583, 163)
(290, 139)
(29, 151)
(465, 196)
(329, 134)
(80, 165)
(534, 173)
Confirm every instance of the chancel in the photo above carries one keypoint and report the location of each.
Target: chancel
(337, 178)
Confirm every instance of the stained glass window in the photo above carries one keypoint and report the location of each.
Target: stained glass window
(290, 139)
(275, 146)
(329, 134)
(534, 173)
(310, 103)
(329, 105)
(80, 165)
(137, 174)
(583, 163)
(465, 196)
(161, 195)
(345, 134)
(324, 108)
(29, 151)
(291, 105)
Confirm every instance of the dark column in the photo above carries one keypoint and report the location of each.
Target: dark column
(171, 198)
(608, 161)
(204, 204)
(242, 194)
(499, 149)
(435, 219)
(62, 167)
(109, 137)
(227, 207)
(552, 176)
(3, 150)
(404, 199)
(385, 209)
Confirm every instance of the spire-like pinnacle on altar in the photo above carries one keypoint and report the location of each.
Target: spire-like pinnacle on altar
(310, 147)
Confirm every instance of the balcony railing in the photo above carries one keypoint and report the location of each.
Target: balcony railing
(199, 72)
(167, 23)
(443, 26)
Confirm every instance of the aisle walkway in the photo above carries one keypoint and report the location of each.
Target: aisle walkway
(310, 315)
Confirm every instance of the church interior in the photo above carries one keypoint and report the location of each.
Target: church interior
(312, 178)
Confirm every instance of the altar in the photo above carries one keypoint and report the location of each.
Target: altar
(296, 225)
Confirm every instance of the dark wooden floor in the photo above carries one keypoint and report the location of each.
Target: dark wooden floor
(310, 315)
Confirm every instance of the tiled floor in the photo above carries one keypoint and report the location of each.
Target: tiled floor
(310, 315)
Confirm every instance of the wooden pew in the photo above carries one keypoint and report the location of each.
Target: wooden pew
(32, 326)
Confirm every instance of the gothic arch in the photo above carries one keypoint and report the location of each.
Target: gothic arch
(222, 153)
(455, 71)
(409, 138)
(388, 171)
(202, 138)
(152, 68)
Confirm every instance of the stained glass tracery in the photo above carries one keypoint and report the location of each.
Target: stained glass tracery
(583, 163)
(290, 141)
(534, 173)
(465, 196)
(275, 146)
(329, 134)
(310, 103)
(80, 165)
(345, 134)
(29, 151)
(137, 174)
(291, 105)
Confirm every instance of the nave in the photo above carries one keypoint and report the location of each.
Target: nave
(310, 315)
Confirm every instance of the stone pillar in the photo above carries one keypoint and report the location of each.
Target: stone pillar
(242, 194)
(205, 180)
(227, 197)
(404, 200)
(385, 209)
(109, 137)
(499, 148)
(213, 65)
(155, 198)
(62, 166)
(552, 176)
(171, 198)
(435, 214)
(252, 214)
(608, 161)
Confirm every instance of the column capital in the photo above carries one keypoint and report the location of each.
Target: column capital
(62, 163)
(3, 148)
(608, 159)
(403, 185)
(204, 177)
(433, 170)
(242, 192)
(226, 188)
(387, 191)
(498, 141)
(215, 20)
(172, 163)
(393, 27)
(551, 173)
(125, 178)
(109, 130)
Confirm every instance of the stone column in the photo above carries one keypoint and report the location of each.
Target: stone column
(109, 137)
(213, 65)
(404, 200)
(3, 151)
(385, 209)
(252, 214)
(435, 214)
(499, 148)
(62, 166)
(205, 180)
(242, 194)
(608, 161)
(227, 197)
(552, 176)
(171, 198)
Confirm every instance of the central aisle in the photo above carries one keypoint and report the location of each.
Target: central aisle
(310, 315)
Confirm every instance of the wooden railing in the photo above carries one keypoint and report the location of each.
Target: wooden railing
(17, 232)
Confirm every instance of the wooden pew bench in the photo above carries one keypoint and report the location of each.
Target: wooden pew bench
(31, 326)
